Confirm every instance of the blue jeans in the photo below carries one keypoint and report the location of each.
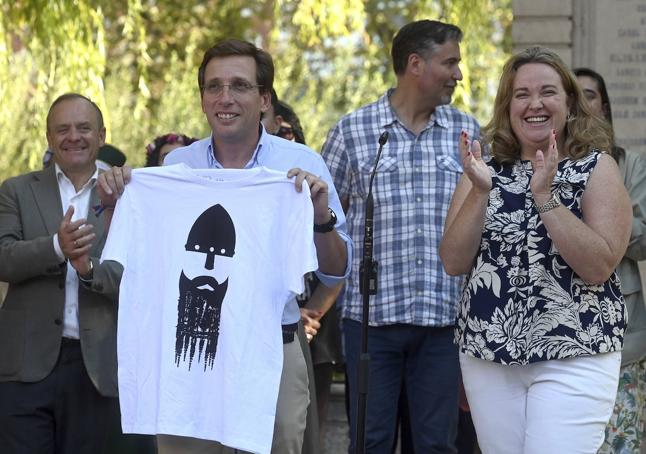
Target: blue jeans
(427, 359)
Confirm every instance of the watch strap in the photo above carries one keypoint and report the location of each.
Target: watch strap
(329, 225)
(552, 203)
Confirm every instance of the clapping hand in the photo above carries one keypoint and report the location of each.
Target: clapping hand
(545, 166)
(473, 164)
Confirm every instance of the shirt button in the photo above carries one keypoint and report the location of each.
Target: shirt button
(418, 199)
(419, 292)
(419, 261)
(419, 230)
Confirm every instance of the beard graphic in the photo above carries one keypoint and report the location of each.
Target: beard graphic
(200, 298)
(198, 318)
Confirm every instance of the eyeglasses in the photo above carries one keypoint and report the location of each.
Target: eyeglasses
(237, 87)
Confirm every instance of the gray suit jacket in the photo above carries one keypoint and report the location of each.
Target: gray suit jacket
(31, 319)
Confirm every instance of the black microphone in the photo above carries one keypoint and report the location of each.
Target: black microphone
(368, 268)
(383, 138)
(367, 287)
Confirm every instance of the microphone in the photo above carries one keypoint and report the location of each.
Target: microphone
(383, 138)
(367, 287)
(368, 268)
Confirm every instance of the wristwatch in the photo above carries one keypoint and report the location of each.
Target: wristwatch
(552, 203)
(328, 226)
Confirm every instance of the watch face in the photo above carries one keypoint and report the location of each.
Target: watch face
(327, 227)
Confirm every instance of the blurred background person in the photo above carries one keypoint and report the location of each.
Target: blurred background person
(157, 150)
(624, 433)
(289, 125)
(110, 156)
(47, 158)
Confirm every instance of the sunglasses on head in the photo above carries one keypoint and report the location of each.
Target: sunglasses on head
(286, 132)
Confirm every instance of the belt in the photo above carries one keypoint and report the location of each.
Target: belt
(289, 332)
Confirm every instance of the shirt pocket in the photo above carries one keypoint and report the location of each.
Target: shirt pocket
(448, 163)
(385, 176)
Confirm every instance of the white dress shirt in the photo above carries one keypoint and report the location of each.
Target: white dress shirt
(80, 201)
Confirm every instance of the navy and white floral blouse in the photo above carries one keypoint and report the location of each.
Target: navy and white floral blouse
(521, 302)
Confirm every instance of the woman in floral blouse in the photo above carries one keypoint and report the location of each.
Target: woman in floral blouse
(538, 230)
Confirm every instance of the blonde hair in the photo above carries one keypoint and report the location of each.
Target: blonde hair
(584, 131)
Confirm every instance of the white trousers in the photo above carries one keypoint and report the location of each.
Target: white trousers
(557, 406)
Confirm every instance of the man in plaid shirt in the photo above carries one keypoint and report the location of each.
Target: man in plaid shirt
(413, 313)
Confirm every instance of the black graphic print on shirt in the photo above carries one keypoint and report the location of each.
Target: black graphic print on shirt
(200, 297)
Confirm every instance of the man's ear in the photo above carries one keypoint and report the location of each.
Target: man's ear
(414, 64)
(265, 101)
(102, 136)
(279, 120)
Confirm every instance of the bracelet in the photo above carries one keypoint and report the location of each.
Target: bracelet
(98, 209)
(552, 203)
(89, 276)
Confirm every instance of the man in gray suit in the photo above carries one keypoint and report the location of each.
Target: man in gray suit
(58, 360)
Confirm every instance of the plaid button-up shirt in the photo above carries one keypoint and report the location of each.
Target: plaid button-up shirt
(415, 180)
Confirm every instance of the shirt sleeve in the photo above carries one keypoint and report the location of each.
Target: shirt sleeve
(334, 203)
(335, 157)
(337, 175)
(57, 248)
(22, 258)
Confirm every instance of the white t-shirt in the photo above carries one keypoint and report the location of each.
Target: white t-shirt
(207, 366)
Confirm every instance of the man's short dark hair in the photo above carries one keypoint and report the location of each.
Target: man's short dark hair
(274, 99)
(68, 96)
(235, 47)
(420, 38)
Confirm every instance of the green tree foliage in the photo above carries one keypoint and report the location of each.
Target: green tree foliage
(138, 60)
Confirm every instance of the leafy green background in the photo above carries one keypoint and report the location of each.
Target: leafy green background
(138, 60)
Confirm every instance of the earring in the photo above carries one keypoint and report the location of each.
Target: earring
(569, 117)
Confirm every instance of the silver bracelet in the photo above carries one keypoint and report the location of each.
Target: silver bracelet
(90, 273)
(552, 203)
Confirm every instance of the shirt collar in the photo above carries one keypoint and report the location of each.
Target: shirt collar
(255, 161)
(60, 176)
(388, 116)
(386, 113)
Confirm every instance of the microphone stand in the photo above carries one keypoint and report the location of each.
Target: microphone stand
(367, 286)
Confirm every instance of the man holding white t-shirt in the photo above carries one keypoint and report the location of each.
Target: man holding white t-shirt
(235, 80)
